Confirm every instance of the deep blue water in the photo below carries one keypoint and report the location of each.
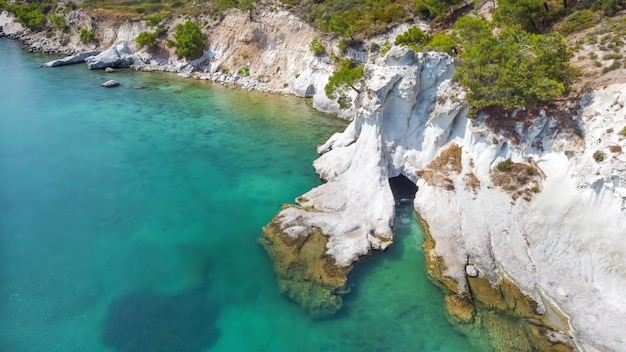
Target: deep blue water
(129, 221)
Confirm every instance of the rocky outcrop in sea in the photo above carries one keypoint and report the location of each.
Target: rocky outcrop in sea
(524, 210)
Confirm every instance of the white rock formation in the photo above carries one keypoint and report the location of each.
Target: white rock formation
(117, 56)
(566, 245)
(9, 25)
(72, 59)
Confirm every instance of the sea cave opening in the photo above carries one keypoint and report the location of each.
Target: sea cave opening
(403, 189)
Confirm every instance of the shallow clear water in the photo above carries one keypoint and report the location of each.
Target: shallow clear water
(129, 221)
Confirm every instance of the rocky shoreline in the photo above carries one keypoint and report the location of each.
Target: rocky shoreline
(274, 48)
(532, 243)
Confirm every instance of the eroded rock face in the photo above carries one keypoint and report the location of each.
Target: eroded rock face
(117, 56)
(542, 237)
(305, 273)
(354, 209)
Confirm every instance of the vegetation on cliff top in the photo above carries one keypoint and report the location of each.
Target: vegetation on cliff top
(511, 68)
(517, 59)
(189, 40)
(342, 80)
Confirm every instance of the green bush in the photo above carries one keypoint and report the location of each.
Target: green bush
(341, 26)
(160, 31)
(512, 68)
(244, 71)
(442, 42)
(609, 7)
(31, 15)
(345, 77)
(579, 21)
(624, 131)
(531, 15)
(505, 166)
(87, 36)
(434, 9)
(188, 40)
(317, 47)
(146, 39)
(599, 156)
(57, 21)
(414, 38)
(385, 49)
(154, 20)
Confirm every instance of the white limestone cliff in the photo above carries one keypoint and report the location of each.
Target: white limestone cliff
(563, 246)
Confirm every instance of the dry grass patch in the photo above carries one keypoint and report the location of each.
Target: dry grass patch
(521, 180)
(448, 162)
(507, 122)
(471, 182)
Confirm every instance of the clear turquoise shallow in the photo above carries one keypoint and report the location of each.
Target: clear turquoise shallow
(129, 221)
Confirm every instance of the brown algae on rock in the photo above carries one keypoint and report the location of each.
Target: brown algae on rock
(509, 317)
(305, 273)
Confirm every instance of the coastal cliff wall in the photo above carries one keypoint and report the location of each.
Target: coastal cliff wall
(534, 201)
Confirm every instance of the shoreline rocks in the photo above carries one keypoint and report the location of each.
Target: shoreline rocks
(117, 56)
(72, 59)
(305, 273)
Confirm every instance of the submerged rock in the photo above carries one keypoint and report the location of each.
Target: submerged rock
(305, 274)
(72, 59)
(111, 83)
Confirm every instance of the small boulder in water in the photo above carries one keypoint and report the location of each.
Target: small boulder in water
(111, 83)
(109, 70)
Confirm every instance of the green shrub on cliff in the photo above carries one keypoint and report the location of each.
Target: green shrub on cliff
(317, 47)
(30, 15)
(341, 80)
(435, 9)
(442, 42)
(146, 39)
(414, 38)
(511, 68)
(505, 165)
(609, 7)
(58, 21)
(87, 36)
(154, 20)
(188, 40)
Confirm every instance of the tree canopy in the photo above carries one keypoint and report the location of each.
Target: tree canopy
(146, 39)
(512, 68)
(188, 40)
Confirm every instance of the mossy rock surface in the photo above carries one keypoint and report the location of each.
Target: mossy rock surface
(306, 274)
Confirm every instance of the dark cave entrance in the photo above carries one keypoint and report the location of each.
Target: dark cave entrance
(403, 189)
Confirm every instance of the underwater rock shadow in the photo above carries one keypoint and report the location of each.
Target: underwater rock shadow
(145, 321)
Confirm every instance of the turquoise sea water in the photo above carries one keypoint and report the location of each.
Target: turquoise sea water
(129, 221)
